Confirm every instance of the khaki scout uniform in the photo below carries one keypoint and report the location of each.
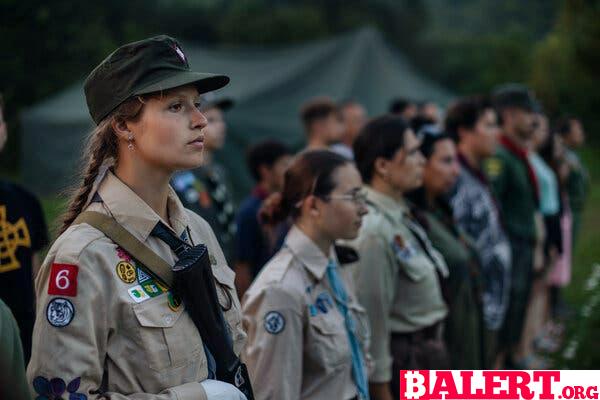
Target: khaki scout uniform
(111, 329)
(298, 345)
(396, 280)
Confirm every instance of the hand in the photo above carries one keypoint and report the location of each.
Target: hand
(380, 391)
(218, 390)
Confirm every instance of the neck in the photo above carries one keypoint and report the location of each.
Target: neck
(150, 184)
(472, 159)
(513, 137)
(381, 186)
(315, 142)
(430, 198)
(321, 241)
(348, 139)
(207, 156)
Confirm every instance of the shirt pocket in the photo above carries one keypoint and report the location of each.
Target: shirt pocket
(361, 323)
(169, 338)
(230, 305)
(328, 340)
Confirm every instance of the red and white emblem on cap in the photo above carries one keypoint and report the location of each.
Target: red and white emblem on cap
(179, 52)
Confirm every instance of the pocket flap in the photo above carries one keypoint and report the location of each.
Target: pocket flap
(328, 324)
(224, 275)
(155, 313)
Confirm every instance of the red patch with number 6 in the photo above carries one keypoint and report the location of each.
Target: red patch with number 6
(63, 280)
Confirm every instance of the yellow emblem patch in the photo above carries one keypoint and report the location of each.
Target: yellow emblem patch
(126, 272)
(493, 167)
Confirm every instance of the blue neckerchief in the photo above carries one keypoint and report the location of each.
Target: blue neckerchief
(358, 363)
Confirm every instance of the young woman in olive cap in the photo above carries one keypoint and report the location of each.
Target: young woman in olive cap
(106, 326)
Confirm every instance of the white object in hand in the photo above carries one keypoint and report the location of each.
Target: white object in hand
(218, 390)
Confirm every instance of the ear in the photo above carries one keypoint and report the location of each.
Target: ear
(381, 166)
(122, 129)
(264, 172)
(463, 132)
(312, 206)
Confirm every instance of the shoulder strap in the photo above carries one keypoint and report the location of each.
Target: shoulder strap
(154, 264)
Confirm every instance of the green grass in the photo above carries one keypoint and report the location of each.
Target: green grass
(584, 329)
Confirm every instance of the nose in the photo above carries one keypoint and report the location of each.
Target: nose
(362, 209)
(198, 119)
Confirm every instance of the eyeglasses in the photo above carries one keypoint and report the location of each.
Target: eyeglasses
(358, 198)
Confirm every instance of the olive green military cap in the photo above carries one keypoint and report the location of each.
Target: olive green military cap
(147, 66)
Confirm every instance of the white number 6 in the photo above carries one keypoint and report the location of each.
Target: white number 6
(62, 277)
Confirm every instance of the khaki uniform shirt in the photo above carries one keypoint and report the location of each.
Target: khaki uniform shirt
(298, 346)
(396, 277)
(104, 326)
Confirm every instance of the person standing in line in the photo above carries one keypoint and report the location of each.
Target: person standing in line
(516, 189)
(307, 334)
(405, 108)
(462, 288)
(472, 123)
(255, 241)
(206, 190)
(354, 117)
(107, 324)
(322, 123)
(23, 235)
(397, 275)
(578, 181)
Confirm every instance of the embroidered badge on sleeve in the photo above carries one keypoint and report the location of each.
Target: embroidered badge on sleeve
(63, 280)
(274, 322)
(137, 294)
(60, 312)
(55, 388)
(126, 272)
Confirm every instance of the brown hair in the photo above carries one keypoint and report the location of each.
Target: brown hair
(101, 144)
(317, 109)
(310, 174)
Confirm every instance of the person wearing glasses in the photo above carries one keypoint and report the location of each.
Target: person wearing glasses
(462, 289)
(397, 274)
(307, 334)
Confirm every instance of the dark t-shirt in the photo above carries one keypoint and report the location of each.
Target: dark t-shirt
(251, 245)
(22, 233)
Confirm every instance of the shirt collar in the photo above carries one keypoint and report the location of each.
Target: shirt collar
(392, 208)
(476, 172)
(308, 253)
(129, 210)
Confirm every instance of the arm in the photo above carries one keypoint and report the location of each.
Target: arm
(274, 349)
(246, 249)
(74, 312)
(376, 281)
(243, 277)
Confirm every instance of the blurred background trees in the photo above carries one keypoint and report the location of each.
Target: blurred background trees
(466, 45)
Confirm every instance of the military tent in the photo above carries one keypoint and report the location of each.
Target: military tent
(268, 85)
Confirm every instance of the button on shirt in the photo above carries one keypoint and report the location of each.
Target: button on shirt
(396, 277)
(298, 345)
(103, 325)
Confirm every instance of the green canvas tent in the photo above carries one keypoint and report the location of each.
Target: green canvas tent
(268, 85)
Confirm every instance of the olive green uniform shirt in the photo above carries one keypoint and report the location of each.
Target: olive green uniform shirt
(514, 192)
(463, 327)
